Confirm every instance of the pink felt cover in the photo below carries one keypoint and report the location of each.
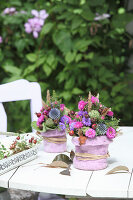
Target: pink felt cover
(96, 146)
(54, 147)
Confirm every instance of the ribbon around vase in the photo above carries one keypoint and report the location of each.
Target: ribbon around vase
(87, 156)
(55, 140)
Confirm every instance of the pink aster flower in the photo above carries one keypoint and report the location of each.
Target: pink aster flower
(40, 119)
(41, 15)
(62, 106)
(90, 133)
(33, 26)
(111, 133)
(94, 100)
(102, 117)
(110, 113)
(78, 125)
(81, 105)
(45, 112)
(1, 40)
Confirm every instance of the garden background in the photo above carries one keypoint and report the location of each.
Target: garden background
(82, 46)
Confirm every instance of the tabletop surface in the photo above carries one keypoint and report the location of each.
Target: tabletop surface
(32, 176)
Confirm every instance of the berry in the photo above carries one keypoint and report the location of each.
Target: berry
(15, 142)
(30, 141)
(5, 156)
(69, 114)
(100, 110)
(72, 112)
(71, 133)
(48, 108)
(18, 138)
(38, 114)
(34, 141)
(32, 138)
(94, 126)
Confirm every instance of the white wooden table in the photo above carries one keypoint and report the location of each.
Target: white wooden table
(81, 183)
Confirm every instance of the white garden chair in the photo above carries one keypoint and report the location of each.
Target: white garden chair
(16, 91)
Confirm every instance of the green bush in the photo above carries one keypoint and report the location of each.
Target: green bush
(73, 54)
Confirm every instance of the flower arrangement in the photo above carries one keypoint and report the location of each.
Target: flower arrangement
(51, 124)
(52, 115)
(93, 119)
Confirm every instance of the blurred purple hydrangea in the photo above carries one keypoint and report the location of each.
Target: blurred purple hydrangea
(101, 17)
(1, 40)
(62, 126)
(41, 15)
(10, 11)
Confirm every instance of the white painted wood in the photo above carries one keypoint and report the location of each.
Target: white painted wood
(5, 178)
(16, 91)
(42, 179)
(130, 191)
(116, 185)
(3, 118)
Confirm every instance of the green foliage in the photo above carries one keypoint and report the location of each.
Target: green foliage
(73, 53)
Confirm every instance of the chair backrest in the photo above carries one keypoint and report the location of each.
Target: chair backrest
(17, 91)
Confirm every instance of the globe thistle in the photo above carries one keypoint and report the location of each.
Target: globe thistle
(54, 113)
(101, 128)
(49, 123)
(94, 114)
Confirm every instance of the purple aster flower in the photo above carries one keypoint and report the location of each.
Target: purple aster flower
(33, 25)
(62, 126)
(1, 40)
(41, 15)
(86, 121)
(82, 113)
(11, 10)
(65, 119)
(71, 125)
(101, 17)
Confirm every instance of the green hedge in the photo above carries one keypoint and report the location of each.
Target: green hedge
(73, 53)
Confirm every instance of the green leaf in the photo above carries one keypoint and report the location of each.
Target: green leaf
(96, 3)
(12, 69)
(78, 57)
(31, 57)
(76, 22)
(87, 14)
(77, 91)
(50, 59)
(70, 57)
(47, 69)
(46, 28)
(29, 69)
(70, 83)
(120, 21)
(34, 126)
(63, 40)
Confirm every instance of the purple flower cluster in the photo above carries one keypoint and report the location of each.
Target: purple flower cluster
(65, 119)
(34, 25)
(86, 121)
(1, 40)
(9, 11)
(62, 126)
